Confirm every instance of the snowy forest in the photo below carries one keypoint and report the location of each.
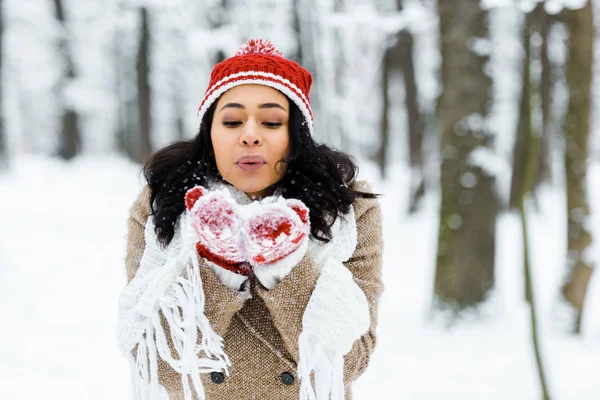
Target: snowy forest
(477, 120)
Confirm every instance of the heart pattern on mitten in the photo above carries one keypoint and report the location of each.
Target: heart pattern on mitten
(218, 226)
(276, 231)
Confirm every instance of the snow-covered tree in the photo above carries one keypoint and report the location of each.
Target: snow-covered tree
(70, 137)
(580, 265)
(535, 104)
(466, 243)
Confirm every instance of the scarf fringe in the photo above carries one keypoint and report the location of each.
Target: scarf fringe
(328, 370)
(183, 308)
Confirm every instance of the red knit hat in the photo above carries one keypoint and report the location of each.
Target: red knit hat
(259, 62)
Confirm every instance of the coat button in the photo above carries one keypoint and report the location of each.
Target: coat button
(287, 378)
(217, 377)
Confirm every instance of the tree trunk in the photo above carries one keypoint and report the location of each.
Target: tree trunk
(527, 160)
(398, 59)
(121, 129)
(536, 21)
(542, 19)
(309, 30)
(466, 245)
(3, 146)
(522, 143)
(340, 65)
(523, 159)
(70, 139)
(531, 173)
(392, 65)
(124, 79)
(415, 126)
(297, 30)
(384, 126)
(144, 145)
(580, 27)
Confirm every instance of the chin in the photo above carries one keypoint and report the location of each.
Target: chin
(253, 184)
(249, 187)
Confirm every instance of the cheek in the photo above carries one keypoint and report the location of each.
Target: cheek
(219, 144)
(284, 149)
(220, 153)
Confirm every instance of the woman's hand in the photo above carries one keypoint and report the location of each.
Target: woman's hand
(277, 239)
(218, 227)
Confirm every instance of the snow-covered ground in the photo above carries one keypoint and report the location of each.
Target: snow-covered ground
(62, 246)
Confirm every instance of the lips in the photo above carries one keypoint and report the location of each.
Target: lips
(251, 163)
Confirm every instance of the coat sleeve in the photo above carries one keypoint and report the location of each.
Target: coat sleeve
(221, 302)
(288, 300)
(365, 265)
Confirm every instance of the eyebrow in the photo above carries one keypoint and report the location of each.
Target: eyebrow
(271, 105)
(261, 106)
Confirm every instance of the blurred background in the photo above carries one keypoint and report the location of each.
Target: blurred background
(477, 120)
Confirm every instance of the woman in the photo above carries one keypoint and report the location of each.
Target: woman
(253, 255)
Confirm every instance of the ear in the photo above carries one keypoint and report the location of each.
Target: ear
(193, 195)
(299, 208)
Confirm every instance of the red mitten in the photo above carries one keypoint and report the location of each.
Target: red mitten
(277, 239)
(218, 225)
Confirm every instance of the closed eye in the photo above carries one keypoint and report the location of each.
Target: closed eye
(232, 124)
(272, 125)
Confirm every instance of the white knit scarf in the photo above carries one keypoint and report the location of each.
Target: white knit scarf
(168, 282)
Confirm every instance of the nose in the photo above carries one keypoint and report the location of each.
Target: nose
(250, 135)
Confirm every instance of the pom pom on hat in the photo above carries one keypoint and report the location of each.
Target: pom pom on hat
(260, 62)
(259, 46)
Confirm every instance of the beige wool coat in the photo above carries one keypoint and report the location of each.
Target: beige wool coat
(261, 329)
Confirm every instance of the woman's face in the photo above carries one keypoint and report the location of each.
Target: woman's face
(249, 134)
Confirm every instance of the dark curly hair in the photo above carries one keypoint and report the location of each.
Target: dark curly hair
(319, 176)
